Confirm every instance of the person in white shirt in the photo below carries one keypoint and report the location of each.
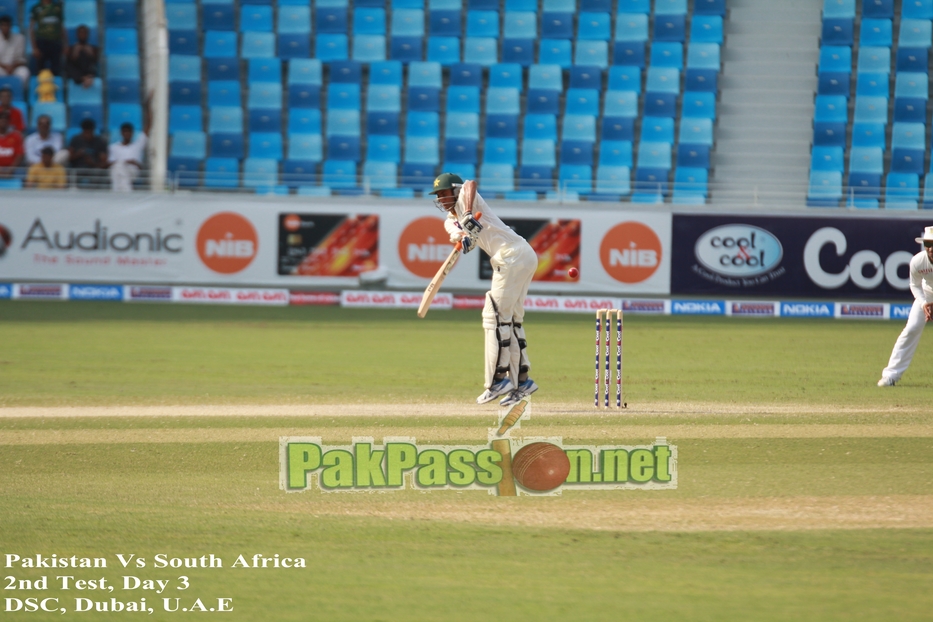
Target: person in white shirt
(921, 286)
(125, 157)
(514, 263)
(42, 138)
(12, 51)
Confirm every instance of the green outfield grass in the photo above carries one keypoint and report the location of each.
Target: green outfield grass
(803, 515)
(105, 353)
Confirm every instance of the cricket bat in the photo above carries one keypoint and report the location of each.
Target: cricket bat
(442, 273)
(506, 486)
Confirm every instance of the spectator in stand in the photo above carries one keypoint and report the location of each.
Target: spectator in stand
(43, 138)
(81, 59)
(6, 105)
(125, 157)
(47, 175)
(12, 51)
(11, 147)
(88, 152)
(48, 36)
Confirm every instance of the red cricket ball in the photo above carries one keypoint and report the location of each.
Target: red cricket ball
(573, 273)
(540, 466)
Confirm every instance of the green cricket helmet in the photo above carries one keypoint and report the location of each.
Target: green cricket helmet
(446, 181)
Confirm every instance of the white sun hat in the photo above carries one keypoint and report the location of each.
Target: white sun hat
(927, 235)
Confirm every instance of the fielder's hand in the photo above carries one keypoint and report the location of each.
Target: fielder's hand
(928, 311)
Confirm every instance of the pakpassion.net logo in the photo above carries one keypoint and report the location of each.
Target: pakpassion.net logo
(504, 467)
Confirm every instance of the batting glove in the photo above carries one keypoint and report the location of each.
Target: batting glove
(470, 225)
(467, 244)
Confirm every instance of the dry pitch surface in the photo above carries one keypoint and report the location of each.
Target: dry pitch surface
(627, 512)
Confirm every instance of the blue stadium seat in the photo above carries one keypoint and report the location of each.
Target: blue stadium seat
(418, 176)
(630, 53)
(444, 23)
(501, 125)
(540, 127)
(386, 72)
(384, 148)
(615, 153)
(908, 136)
(496, 178)
(179, 93)
(827, 159)
(875, 33)
(217, 17)
(690, 185)
(305, 147)
(183, 42)
(871, 109)
(654, 155)
(258, 45)
(369, 48)
(670, 7)
(660, 130)
(874, 60)
(422, 149)
(866, 160)
(265, 120)
(383, 98)
(825, 189)
(425, 74)
(579, 127)
(872, 84)
(343, 147)
(369, 21)
(424, 98)
(831, 109)
(481, 50)
(634, 6)
(917, 9)
(78, 12)
(444, 50)
(670, 28)
(604, 6)
(185, 119)
(118, 114)
(664, 80)
(185, 171)
(343, 123)
(594, 53)
(632, 27)
(911, 85)
(576, 152)
(331, 47)
(905, 160)
(304, 121)
(408, 22)
(265, 145)
(543, 101)
(582, 101)
(618, 128)
(902, 190)
(557, 25)
(520, 51)
(624, 78)
(225, 119)
(259, 172)
(703, 56)
(482, 24)
(227, 145)
(538, 152)
(878, 8)
(520, 25)
(120, 14)
(693, 156)
(593, 26)
(463, 99)
(575, 178)
(255, 18)
(555, 52)
(265, 70)
(180, 68)
(346, 72)
(405, 49)
(422, 124)
(501, 151)
(503, 100)
(869, 135)
(586, 77)
(461, 150)
(127, 91)
(829, 134)
(912, 59)
(546, 77)
(343, 96)
(294, 19)
(536, 178)
(613, 180)
(910, 109)
(90, 95)
(382, 123)
(834, 58)
(839, 8)
(222, 173)
(833, 83)
(294, 45)
(225, 68)
(188, 145)
(268, 95)
(706, 29)
(380, 175)
(701, 105)
(220, 44)
(80, 112)
(331, 19)
(696, 131)
(667, 54)
(837, 31)
(508, 75)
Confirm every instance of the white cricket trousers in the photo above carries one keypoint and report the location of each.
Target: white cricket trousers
(906, 343)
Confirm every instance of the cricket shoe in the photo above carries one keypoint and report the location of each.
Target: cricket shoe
(498, 388)
(887, 382)
(524, 389)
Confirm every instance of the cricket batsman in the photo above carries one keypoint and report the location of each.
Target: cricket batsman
(921, 286)
(513, 264)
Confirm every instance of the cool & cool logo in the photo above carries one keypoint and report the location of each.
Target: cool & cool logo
(739, 250)
(857, 264)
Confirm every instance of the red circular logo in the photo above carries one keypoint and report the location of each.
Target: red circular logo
(227, 243)
(630, 252)
(424, 245)
(292, 222)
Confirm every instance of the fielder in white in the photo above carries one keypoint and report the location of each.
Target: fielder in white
(921, 286)
(513, 263)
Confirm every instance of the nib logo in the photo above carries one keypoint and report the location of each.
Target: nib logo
(423, 246)
(630, 252)
(227, 243)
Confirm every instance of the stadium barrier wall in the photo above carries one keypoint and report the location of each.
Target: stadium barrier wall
(342, 243)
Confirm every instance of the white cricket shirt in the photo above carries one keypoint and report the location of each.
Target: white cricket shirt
(495, 235)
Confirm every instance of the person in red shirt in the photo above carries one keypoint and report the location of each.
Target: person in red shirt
(6, 101)
(11, 147)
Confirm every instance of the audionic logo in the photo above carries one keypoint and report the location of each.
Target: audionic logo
(423, 246)
(738, 250)
(227, 243)
(630, 252)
